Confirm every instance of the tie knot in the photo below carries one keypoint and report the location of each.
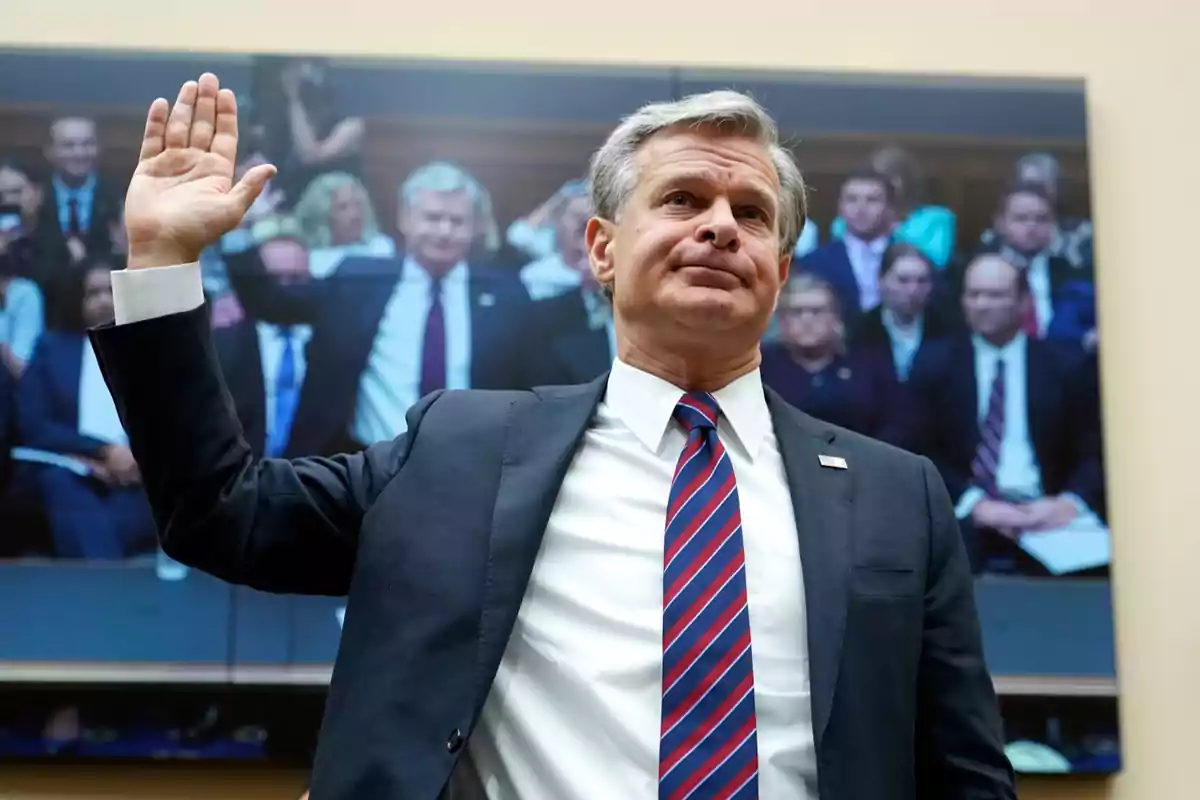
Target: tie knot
(697, 410)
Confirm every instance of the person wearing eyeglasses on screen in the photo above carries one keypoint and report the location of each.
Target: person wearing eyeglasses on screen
(665, 583)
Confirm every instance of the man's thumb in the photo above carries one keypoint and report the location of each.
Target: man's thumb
(251, 185)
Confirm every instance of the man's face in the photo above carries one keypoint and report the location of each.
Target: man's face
(808, 319)
(864, 205)
(993, 302)
(438, 228)
(905, 287)
(285, 260)
(571, 232)
(73, 147)
(694, 254)
(1026, 224)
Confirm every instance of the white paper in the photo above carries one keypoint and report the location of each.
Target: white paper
(1084, 543)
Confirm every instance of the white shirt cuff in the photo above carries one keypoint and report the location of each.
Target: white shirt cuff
(967, 502)
(142, 294)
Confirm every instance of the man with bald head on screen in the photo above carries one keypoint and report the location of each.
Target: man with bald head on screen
(665, 583)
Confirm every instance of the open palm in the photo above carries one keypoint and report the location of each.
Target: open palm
(182, 197)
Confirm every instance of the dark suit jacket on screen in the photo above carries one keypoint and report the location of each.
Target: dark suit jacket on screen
(435, 535)
(345, 311)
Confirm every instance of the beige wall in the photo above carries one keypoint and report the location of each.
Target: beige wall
(1144, 83)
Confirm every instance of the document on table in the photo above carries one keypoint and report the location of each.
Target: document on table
(1083, 543)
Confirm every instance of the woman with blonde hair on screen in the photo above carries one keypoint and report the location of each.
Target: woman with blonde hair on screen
(337, 219)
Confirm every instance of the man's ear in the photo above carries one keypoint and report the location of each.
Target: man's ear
(600, 236)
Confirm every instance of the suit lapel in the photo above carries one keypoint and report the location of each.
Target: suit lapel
(821, 498)
(543, 435)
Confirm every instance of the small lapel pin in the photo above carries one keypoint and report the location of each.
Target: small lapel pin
(487, 300)
(833, 462)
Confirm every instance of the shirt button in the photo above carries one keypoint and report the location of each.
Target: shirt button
(455, 741)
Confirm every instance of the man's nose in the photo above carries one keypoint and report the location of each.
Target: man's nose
(720, 228)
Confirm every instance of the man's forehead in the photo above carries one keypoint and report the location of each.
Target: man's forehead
(73, 127)
(699, 154)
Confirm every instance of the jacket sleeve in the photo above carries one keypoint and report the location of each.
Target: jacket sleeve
(960, 748)
(275, 525)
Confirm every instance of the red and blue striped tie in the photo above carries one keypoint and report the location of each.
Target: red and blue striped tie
(708, 747)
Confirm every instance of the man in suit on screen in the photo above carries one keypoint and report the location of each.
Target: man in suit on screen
(665, 583)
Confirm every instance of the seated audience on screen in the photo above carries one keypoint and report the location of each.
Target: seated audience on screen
(810, 368)
(535, 233)
(20, 206)
(932, 228)
(301, 129)
(1011, 422)
(79, 206)
(264, 364)
(557, 272)
(1072, 237)
(22, 318)
(571, 335)
(88, 481)
(1025, 229)
(850, 263)
(386, 331)
(909, 313)
(337, 219)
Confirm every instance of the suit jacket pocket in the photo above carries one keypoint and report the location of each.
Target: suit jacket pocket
(885, 582)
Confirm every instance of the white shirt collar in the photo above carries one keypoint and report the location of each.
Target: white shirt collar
(415, 272)
(1014, 347)
(645, 404)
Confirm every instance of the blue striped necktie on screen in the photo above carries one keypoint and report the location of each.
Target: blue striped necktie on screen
(709, 745)
(991, 434)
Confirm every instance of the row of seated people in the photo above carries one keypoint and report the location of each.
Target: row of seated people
(377, 335)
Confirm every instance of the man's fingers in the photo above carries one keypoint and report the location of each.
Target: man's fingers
(156, 129)
(251, 185)
(225, 136)
(179, 125)
(205, 117)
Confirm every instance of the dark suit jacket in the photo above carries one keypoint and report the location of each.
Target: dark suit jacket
(345, 311)
(50, 242)
(870, 335)
(48, 397)
(859, 392)
(831, 263)
(1063, 409)
(435, 535)
(237, 348)
(564, 348)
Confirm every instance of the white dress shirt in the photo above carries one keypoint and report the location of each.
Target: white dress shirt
(865, 258)
(98, 416)
(905, 341)
(1018, 475)
(574, 712)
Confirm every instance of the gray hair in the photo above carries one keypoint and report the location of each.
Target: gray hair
(613, 173)
(1042, 163)
(442, 177)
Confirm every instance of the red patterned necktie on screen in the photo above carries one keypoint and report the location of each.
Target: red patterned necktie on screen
(1031, 324)
(709, 745)
(991, 433)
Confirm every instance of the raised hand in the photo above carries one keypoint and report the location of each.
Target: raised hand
(182, 197)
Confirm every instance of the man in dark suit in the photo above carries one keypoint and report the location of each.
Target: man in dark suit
(851, 264)
(576, 340)
(666, 581)
(386, 331)
(80, 207)
(1012, 422)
